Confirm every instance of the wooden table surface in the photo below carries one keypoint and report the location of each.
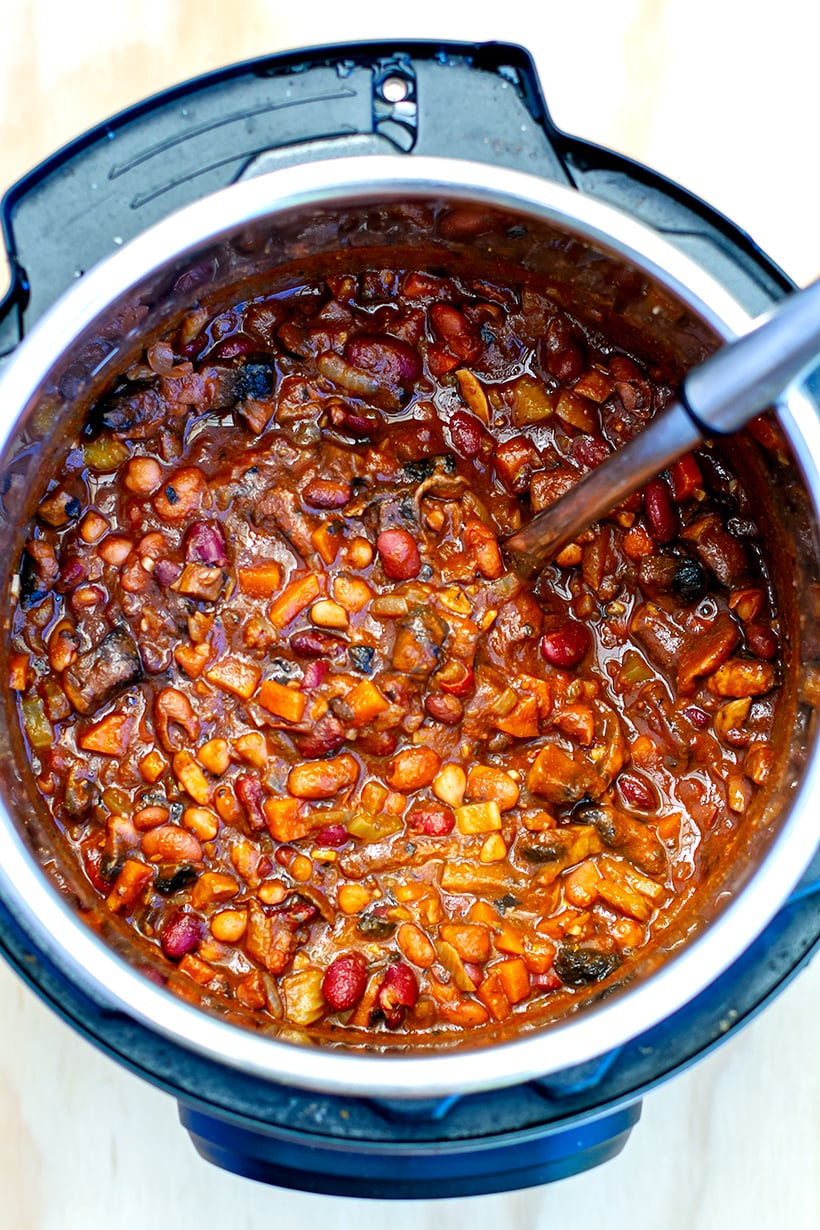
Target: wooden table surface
(724, 99)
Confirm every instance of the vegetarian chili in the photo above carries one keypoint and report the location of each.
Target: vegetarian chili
(304, 730)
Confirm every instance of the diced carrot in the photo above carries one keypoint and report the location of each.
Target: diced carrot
(129, 884)
(110, 736)
(196, 969)
(366, 702)
(514, 977)
(483, 912)
(18, 671)
(282, 701)
(539, 954)
(686, 478)
(233, 675)
(327, 539)
(153, 766)
(193, 658)
(510, 940)
(493, 995)
(470, 940)
(522, 721)
(260, 580)
(638, 542)
(292, 601)
(283, 819)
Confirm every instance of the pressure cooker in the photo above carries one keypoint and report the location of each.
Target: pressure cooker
(218, 181)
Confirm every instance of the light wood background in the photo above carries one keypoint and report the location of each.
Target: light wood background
(718, 95)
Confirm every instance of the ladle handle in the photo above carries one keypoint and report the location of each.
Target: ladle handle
(740, 380)
(716, 398)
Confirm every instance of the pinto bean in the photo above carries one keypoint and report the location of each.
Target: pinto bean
(170, 844)
(323, 778)
(399, 554)
(412, 769)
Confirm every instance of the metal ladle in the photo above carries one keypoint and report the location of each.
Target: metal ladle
(718, 397)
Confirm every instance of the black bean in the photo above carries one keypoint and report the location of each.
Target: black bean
(690, 580)
(361, 658)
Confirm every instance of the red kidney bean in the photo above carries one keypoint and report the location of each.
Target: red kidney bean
(72, 574)
(561, 354)
(345, 980)
(354, 422)
(465, 433)
(637, 792)
(327, 735)
(761, 640)
(314, 675)
(378, 742)
(660, 511)
(589, 451)
(567, 645)
(250, 794)
(546, 982)
(386, 357)
(234, 347)
(314, 644)
(333, 836)
(474, 972)
(327, 493)
(453, 328)
(698, 717)
(296, 910)
(398, 992)
(399, 554)
(443, 708)
(166, 571)
(432, 819)
(205, 544)
(181, 934)
(455, 678)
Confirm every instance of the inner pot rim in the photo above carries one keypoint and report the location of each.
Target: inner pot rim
(59, 931)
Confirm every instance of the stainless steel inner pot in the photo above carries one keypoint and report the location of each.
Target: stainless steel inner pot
(598, 263)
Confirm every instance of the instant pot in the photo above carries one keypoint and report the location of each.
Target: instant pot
(561, 1100)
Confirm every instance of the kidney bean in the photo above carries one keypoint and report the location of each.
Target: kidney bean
(474, 972)
(72, 574)
(567, 645)
(314, 675)
(637, 792)
(432, 819)
(327, 735)
(465, 433)
(313, 644)
(181, 934)
(327, 493)
(205, 544)
(250, 793)
(378, 742)
(443, 708)
(354, 422)
(455, 678)
(561, 354)
(546, 982)
(761, 640)
(399, 554)
(398, 992)
(453, 328)
(166, 571)
(345, 980)
(386, 357)
(333, 836)
(698, 717)
(660, 511)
